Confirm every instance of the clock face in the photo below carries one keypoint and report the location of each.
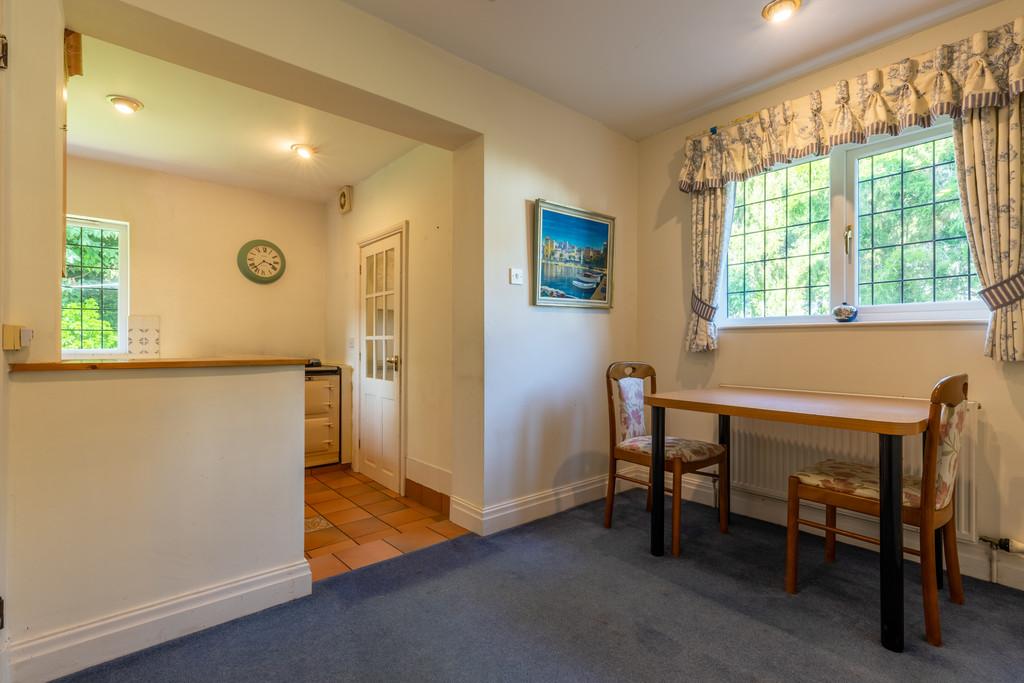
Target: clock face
(261, 261)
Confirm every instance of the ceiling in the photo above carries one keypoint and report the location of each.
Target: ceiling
(197, 125)
(641, 66)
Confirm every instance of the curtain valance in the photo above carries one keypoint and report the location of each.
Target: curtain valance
(984, 70)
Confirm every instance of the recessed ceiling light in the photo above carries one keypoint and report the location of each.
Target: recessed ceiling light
(124, 104)
(778, 11)
(304, 151)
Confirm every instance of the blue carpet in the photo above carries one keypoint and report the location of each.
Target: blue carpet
(563, 599)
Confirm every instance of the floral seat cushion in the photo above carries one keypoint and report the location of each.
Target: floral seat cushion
(859, 479)
(688, 450)
(856, 479)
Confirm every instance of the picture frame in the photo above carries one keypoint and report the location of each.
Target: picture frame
(572, 256)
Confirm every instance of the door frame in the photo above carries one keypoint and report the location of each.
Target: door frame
(402, 230)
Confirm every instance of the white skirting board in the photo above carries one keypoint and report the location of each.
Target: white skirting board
(47, 656)
(428, 475)
(510, 513)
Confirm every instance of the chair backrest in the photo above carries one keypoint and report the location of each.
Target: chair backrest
(946, 421)
(625, 382)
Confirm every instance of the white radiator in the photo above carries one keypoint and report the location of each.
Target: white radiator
(764, 454)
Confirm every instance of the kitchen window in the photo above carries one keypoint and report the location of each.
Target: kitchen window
(876, 225)
(94, 290)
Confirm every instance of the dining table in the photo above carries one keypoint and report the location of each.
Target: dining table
(892, 418)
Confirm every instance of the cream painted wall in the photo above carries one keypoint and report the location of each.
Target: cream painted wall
(897, 360)
(543, 407)
(416, 188)
(132, 488)
(185, 235)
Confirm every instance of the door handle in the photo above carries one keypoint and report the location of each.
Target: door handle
(392, 361)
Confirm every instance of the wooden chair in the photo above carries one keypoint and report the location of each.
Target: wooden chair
(626, 381)
(928, 501)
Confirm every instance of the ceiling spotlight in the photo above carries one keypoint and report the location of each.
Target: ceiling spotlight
(304, 151)
(778, 11)
(125, 105)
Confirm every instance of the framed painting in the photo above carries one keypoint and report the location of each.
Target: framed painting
(572, 256)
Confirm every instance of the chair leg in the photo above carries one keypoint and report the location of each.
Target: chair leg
(650, 488)
(677, 504)
(609, 501)
(938, 559)
(830, 536)
(723, 494)
(792, 534)
(956, 584)
(929, 588)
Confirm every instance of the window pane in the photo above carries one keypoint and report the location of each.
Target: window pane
(777, 261)
(918, 254)
(90, 296)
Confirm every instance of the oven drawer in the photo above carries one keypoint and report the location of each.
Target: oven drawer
(321, 434)
(322, 395)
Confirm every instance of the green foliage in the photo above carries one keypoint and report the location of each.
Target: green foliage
(886, 193)
(820, 174)
(798, 270)
(798, 241)
(917, 261)
(917, 224)
(820, 205)
(917, 291)
(887, 265)
(917, 187)
(918, 156)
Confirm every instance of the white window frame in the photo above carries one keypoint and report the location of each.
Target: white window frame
(124, 259)
(843, 283)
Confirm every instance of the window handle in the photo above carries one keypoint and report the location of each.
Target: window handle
(848, 237)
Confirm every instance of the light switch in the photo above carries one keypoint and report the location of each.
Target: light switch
(515, 276)
(16, 337)
(351, 343)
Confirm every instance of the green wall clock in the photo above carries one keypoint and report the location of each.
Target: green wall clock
(261, 261)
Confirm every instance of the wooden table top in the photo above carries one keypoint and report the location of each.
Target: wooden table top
(877, 414)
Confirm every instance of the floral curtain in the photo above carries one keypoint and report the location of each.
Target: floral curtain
(970, 73)
(710, 209)
(977, 81)
(987, 142)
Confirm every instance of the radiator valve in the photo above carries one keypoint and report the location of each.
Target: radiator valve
(1010, 545)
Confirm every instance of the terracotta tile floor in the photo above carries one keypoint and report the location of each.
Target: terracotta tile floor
(352, 522)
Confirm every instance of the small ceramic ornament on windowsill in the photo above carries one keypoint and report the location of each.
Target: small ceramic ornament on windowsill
(844, 313)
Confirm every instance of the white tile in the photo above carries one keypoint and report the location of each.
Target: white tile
(144, 336)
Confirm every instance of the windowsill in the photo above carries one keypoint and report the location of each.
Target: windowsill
(832, 324)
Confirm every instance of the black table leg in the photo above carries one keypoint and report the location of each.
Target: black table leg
(890, 469)
(657, 481)
(723, 439)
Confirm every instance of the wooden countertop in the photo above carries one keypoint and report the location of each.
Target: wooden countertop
(154, 363)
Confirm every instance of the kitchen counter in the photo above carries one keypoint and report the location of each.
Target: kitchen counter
(154, 363)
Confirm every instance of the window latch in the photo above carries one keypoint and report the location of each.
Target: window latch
(848, 237)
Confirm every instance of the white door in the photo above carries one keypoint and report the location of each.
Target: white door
(380, 379)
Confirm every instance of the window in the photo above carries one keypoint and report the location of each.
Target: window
(94, 301)
(911, 241)
(779, 243)
(790, 257)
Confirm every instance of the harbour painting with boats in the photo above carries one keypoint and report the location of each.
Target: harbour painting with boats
(572, 256)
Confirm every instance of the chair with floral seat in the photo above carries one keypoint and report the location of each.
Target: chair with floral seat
(928, 501)
(630, 442)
